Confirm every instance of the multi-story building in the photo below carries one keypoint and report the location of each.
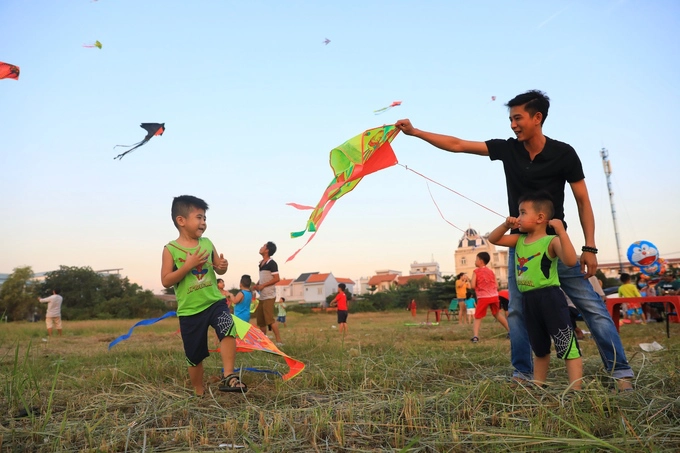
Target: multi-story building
(470, 245)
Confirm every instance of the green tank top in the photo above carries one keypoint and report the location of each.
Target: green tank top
(198, 289)
(533, 267)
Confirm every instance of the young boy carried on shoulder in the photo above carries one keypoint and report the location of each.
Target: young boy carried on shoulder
(544, 305)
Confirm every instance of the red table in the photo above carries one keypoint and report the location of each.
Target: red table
(614, 304)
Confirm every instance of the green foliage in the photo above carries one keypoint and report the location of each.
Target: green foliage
(18, 295)
(88, 295)
(140, 305)
(441, 293)
(360, 305)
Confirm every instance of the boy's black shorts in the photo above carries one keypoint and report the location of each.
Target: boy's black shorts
(546, 315)
(342, 316)
(194, 330)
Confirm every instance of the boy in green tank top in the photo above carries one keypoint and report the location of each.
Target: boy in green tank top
(545, 308)
(189, 265)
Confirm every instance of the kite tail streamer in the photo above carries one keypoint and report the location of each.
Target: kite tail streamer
(144, 322)
(248, 339)
(301, 207)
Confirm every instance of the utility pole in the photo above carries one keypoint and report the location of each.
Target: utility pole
(608, 171)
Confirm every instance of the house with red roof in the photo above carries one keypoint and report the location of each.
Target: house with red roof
(311, 287)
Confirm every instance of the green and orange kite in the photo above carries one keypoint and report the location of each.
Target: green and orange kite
(359, 156)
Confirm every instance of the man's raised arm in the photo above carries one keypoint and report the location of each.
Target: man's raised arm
(445, 142)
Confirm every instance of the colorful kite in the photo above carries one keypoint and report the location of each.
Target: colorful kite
(9, 71)
(96, 44)
(326, 41)
(152, 130)
(359, 156)
(384, 109)
(493, 98)
(248, 339)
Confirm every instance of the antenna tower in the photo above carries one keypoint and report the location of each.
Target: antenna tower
(607, 172)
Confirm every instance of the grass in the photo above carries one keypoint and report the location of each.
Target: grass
(384, 387)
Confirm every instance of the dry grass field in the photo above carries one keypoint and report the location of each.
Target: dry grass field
(384, 387)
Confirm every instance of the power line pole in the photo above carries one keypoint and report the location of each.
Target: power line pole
(608, 171)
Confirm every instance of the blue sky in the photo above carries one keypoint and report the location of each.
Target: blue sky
(253, 102)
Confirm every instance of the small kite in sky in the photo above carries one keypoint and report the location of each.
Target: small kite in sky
(493, 98)
(384, 109)
(326, 41)
(359, 156)
(9, 71)
(96, 44)
(152, 130)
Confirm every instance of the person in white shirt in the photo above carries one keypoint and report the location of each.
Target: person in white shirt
(53, 315)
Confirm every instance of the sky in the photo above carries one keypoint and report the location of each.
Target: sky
(253, 102)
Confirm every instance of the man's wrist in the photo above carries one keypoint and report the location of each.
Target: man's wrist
(588, 249)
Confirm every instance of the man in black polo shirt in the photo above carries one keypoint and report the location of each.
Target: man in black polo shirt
(534, 162)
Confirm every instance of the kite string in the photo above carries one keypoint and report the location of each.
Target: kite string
(440, 211)
(451, 190)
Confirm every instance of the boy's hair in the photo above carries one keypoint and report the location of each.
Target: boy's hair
(220, 280)
(283, 299)
(271, 247)
(246, 281)
(57, 290)
(470, 294)
(625, 278)
(342, 286)
(181, 206)
(484, 257)
(533, 101)
(541, 201)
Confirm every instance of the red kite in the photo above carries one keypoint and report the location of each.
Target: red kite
(9, 71)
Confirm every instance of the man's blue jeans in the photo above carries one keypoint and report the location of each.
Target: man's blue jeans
(594, 312)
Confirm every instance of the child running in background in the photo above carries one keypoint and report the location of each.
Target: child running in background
(546, 313)
(241, 301)
(485, 286)
(634, 309)
(281, 314)
(470, 304)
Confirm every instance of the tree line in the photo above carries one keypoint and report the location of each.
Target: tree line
(87, 295)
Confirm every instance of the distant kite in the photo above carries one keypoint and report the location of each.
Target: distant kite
(493, 98)
(96, 44)
(384, 109)
(9, 71)
(153, 129)
(326, 41)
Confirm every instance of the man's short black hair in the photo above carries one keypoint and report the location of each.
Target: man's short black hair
(271, 247)
(181, 206)
(542, 202)
(57, 290)
(484, 257)
(342, 286)
(533, 101)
